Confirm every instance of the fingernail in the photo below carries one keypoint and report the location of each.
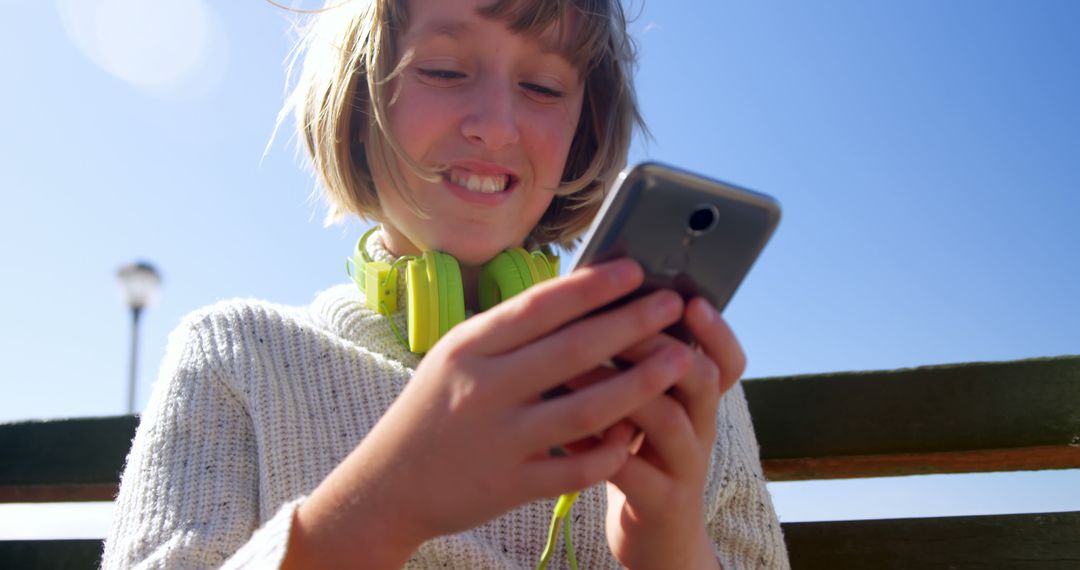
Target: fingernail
(672, 359)
(664, 308)
(623, 270)
(708, 311)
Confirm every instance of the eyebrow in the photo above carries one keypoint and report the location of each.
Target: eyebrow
(457, 29)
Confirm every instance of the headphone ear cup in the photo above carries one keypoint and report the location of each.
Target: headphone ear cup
(546, 268)
(510, 273)
(423, 306)
(436, 302)
(451, 293)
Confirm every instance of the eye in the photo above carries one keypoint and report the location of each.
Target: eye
(442, 76)
(542, 92)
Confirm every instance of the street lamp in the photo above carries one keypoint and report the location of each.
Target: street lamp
(139, 282)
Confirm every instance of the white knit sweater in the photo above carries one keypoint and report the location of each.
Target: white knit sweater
(256, 403)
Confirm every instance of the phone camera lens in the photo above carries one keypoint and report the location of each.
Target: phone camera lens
(703, 218)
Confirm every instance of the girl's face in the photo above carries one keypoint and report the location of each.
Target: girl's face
(498, 110)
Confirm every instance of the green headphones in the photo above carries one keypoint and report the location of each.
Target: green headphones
(435, 299)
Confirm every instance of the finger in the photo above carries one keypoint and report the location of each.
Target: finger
(717, 340)
(590, 410)
(592, 441)
(557, 475)
(644, 348)
(588, 378)
(644, 485)
(699, 395)
(698, 391)
(670, 435)
(588, 443)
(594, 376)
(550, 305)
(585, 344)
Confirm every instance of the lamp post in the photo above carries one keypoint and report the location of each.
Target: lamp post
(139, 282)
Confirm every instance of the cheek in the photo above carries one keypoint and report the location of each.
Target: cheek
(553, 138)
(405, 129)
(414, 121)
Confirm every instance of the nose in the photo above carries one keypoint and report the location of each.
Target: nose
(491, 120)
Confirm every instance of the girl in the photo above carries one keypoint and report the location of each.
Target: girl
(311, 438)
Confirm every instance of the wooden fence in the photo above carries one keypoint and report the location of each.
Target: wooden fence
(1004, 416)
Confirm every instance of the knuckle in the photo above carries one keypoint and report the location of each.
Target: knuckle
(592, 299)
(653, 311)
(684, 353)
(711, 373)
(681, 359)
(591, 471)
(731, 373)
(529, 303)
(462, 393)
(655, 377)
(454, 349)
(597, 468)
(457, 342)
(580, 478)
(735, 364)
(522, 308)
(739, 366)
(642, 318)
(577, 351)
(580, 419)
(671, 419)
(585, 285)
(667, 421)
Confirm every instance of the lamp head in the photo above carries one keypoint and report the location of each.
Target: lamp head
(139, 282)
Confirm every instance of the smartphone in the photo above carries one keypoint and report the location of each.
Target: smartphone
(691, 234)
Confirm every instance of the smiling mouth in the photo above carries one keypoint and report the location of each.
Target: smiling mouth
(482, 183)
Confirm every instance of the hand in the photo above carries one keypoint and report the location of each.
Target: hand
(468, 439)
(655, 517)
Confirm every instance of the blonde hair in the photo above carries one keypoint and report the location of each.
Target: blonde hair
(349, 45)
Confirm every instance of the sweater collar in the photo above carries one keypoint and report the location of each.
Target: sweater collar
(341, 309)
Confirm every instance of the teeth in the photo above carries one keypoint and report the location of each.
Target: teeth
(478, 183)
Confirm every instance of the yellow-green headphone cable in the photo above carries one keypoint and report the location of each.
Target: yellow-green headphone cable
(559, 517)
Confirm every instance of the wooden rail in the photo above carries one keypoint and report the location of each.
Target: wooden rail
(1004, 416)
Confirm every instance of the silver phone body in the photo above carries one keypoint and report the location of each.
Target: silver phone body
(660, 216)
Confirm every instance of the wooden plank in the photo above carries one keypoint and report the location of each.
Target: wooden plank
(50, 554)
(851, 466)
(1029, 542)
(937, 419)
(941, 419)
(63, 460)
(58, 493)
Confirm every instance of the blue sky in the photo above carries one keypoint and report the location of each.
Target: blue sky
(927, 155)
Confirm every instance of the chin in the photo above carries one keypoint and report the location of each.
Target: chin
(473, 256)
(472, 252)
(470, 245)
(474, 245)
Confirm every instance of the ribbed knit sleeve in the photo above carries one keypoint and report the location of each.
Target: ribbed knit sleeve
(741, 518)
(189, 491)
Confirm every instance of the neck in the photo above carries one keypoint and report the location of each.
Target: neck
(397, 245)
(470, 280)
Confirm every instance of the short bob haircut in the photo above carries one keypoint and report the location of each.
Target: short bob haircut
(341, 95)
